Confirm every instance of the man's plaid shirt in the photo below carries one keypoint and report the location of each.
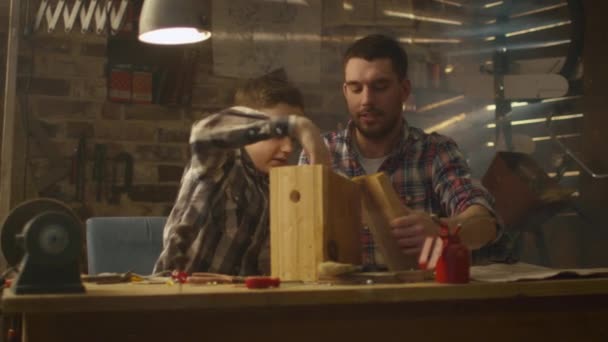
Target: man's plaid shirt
(427, 171)
(219, 222)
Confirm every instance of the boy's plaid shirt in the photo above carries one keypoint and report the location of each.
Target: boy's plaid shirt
(427, 171)
(219, 222)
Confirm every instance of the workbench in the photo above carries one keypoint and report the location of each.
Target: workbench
(558, 310)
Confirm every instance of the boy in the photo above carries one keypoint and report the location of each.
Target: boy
(220, 221)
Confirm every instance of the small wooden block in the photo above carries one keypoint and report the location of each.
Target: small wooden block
(315, 216)
(381, 204)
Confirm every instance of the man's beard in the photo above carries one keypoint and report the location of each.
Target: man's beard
(377, 132)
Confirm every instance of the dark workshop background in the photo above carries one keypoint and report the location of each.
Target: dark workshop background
(69, 88)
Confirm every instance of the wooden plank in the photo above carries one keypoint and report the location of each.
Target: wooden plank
(517, 319)
(287, 215)
(315, 216)
(381, 205)
(132, 297)
(344, 220)
(7, 172)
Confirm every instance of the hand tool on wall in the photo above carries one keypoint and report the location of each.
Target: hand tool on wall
(99, 169)
(122, 167)
(57, 169)
(77, 176)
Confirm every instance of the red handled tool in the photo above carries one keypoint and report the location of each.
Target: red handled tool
(254, 282)
(262, 282)
(454, 263)
(179, 277)
(447, 255)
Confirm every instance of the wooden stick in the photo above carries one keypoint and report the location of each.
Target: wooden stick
(381, 204)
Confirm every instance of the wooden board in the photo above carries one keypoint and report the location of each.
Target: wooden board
(381, 204)
(516, 319)
(315, 216)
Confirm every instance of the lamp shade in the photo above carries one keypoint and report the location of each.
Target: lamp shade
(172, 22)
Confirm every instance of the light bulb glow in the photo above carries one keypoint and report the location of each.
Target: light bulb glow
(174, 36)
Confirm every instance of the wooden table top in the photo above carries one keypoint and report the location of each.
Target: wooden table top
(138, 297)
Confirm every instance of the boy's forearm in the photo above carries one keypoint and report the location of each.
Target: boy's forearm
(239, 136)
(236, 133)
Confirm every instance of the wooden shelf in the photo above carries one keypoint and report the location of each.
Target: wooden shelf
(141, 73)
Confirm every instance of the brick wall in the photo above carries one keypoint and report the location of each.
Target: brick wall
(63, 78)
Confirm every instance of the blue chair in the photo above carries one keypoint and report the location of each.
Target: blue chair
(122, 244)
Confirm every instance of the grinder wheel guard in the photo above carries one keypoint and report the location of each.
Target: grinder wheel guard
(13, 225)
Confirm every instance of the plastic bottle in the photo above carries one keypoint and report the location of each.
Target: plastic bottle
(453, 266)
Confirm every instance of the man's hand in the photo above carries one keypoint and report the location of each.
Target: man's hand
(310, 137)
(410, 231)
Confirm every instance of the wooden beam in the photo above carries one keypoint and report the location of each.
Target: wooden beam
(7, 173)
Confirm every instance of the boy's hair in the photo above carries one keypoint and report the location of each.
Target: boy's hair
(377, 46)
(268, 91)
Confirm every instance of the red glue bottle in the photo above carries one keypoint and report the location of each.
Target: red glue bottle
(453, 266)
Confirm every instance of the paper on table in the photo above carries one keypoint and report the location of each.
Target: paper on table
(523, 271)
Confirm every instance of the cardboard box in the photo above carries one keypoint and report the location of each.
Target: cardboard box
(120, 83)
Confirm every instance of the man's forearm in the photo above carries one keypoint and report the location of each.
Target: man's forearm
(478, 226)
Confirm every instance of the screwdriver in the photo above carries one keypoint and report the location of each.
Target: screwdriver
(252, 282)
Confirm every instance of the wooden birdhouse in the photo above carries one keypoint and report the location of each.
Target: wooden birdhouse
(315, 216)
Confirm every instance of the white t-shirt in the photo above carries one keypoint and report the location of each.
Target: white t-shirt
(371, 165)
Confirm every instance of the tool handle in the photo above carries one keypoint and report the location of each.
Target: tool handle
(262, 282)
(77, 176)
(99, 169)
(126, 161)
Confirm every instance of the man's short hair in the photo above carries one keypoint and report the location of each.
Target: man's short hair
(377, 46)
(268, 91)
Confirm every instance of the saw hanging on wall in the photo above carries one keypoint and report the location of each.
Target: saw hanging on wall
(99, 11)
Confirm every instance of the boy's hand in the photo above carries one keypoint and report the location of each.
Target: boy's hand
(310, 137)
